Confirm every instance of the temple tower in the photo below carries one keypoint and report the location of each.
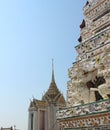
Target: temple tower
(89, 75)
(88, 91)
(42, 113)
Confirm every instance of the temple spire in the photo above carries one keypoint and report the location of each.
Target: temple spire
(52, 91)
(53, 80)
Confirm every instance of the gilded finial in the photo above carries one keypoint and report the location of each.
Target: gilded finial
(52, 71)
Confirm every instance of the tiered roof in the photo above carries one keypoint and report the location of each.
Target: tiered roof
(53, 95)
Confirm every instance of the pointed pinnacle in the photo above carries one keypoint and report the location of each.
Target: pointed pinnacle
(53, 72)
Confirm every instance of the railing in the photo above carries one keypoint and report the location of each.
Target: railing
(86, 109)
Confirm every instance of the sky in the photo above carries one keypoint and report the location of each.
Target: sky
(32, 32)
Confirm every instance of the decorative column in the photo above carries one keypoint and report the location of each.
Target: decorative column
(30, 121)
(35, 120)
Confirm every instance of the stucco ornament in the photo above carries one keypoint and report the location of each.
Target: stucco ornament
(103, 89)
(88, 66)
(98, 61)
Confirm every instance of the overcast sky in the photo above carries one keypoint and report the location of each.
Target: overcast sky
(32, 32)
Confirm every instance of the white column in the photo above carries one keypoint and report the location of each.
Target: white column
(38, 119)
(46, 119)
(52, 117)
(29, 121)
(35, 120)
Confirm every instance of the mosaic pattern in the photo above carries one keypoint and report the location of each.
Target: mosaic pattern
(94, 42)
(85, 122)
(93, 108)
(103, 127)
(88, 90)
(93, 55)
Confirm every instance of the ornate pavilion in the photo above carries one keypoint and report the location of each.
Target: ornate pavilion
(42, 113)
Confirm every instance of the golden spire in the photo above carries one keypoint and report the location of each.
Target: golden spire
(53, 92)
(53, 80)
